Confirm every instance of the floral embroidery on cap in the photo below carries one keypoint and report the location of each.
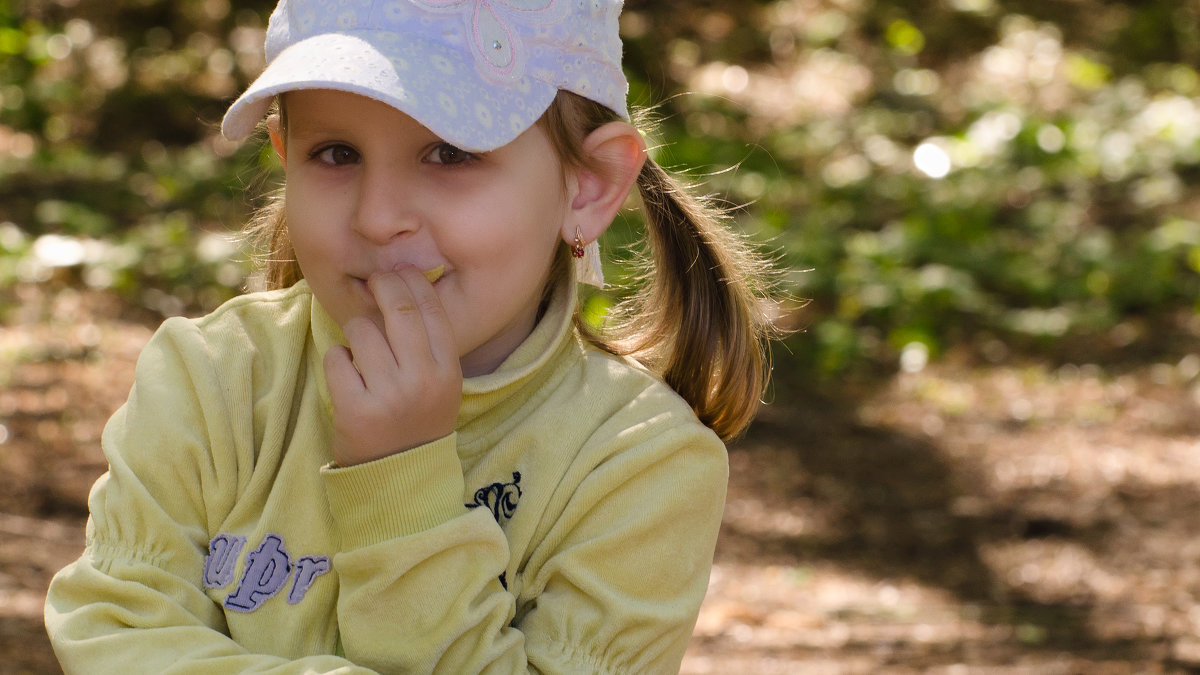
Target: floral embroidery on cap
(394, 11)
(442, 63)
(306, 21)
(496, 46)
(447, 103)
(484, 115)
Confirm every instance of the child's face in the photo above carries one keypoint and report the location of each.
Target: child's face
(370, 189)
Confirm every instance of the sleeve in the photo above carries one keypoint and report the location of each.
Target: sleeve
(626, 565)
(419, 571)
(131, 602)
(616, 583)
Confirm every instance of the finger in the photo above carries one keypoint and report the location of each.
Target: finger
(403, 323)
(371, 355)
(439, 333)
(342, 378)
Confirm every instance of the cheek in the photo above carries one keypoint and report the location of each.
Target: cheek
(311, 224)
(512, 223)
(301, 236)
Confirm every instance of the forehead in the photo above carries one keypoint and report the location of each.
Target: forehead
(307, 107)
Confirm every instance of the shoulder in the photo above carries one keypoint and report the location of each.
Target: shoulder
(623, 381)
(633, 407)
(241, 339)
(265, 317)
(643, 456)
(199, 380)
(265, 311)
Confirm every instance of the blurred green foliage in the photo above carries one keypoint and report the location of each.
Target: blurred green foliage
(934, 174)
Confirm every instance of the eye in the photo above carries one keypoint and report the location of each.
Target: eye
(337, 155)
(444, 153)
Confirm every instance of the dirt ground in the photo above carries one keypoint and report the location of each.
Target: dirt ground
(1009, 518)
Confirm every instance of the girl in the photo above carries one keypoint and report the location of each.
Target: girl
(408, 456)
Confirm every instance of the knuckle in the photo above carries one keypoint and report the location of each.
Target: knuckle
(431, 305)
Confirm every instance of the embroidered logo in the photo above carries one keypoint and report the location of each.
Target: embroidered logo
(267, 570)
(500, 498)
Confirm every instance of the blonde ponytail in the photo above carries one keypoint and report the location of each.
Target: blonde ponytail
(698, 318)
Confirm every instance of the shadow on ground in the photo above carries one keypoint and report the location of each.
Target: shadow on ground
(998, 518)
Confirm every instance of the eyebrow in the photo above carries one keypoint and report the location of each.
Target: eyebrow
(316, 126)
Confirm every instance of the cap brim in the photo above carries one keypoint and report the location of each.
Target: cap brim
(433, 84)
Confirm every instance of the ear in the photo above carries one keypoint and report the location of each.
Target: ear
(614, 154)
(276, 133)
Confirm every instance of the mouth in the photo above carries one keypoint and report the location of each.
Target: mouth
(432, 275)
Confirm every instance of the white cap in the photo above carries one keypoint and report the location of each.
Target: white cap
(477, 73)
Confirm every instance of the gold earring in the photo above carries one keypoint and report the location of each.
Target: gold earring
(577, 246)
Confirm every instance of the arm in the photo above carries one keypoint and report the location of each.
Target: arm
(625, 567)
(613, 585)
(134, 601)
(419, 573)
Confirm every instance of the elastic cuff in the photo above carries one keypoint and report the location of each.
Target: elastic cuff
(398, 495)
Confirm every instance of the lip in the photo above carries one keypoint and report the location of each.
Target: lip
(433, 274)
(363, 289)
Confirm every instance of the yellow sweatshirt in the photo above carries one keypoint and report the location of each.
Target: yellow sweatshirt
(568, 524)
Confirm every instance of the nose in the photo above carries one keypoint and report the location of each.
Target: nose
(387, 205)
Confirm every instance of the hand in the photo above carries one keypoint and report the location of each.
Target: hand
(399, 385)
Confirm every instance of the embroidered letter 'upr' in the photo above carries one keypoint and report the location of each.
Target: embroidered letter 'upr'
(219, 564)
(308, 569)
(267, 570)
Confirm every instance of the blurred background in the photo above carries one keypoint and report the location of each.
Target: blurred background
(980, 453)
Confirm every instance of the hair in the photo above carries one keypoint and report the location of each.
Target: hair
(697, 317)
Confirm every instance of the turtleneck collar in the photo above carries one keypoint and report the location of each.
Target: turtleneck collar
(491, 398)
